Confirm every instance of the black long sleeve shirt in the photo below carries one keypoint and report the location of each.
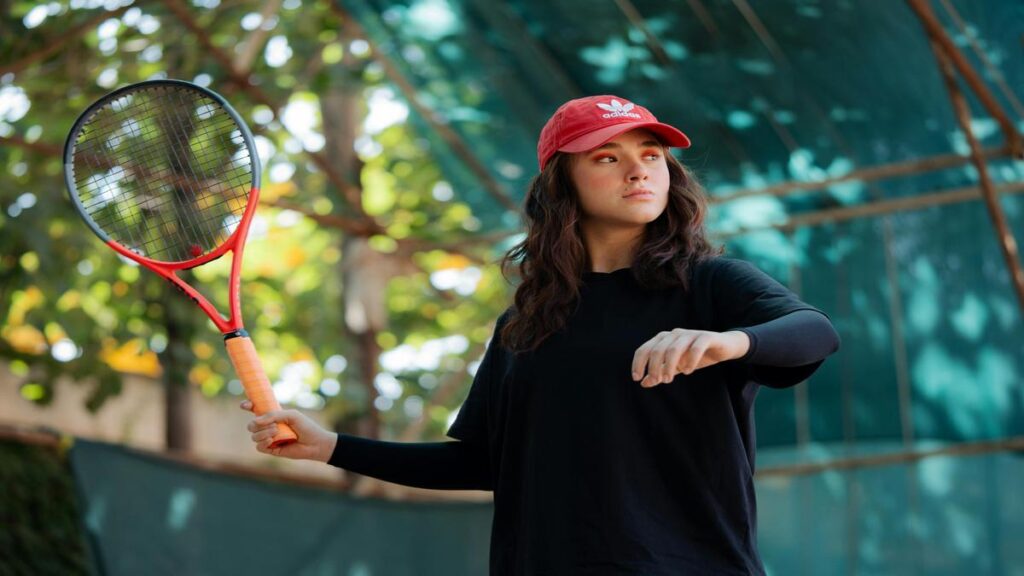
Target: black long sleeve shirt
(593, 474)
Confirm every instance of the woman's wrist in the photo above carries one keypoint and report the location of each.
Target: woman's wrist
(327, 450)
(739, 343)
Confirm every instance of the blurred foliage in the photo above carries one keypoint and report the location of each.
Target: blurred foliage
(39, 513)
(70, 307)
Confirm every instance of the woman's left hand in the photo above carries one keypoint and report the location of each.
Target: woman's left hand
(683, 351)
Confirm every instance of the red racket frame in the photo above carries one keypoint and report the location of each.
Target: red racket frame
(240, 348)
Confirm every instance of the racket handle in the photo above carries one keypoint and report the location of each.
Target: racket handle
(256, 384)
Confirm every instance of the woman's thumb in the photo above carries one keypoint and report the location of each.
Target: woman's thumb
(272, 417)
(291, 417)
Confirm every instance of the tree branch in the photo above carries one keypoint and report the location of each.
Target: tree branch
(62, 40)
(351, 192)
(39, 147)
(252, 45)
(349, 225)
(352, 226)
(450, 136)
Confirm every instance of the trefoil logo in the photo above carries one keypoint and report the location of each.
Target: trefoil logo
(617, 109)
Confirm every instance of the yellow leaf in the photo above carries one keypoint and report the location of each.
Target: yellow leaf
(430, 310)
(21, 302)
(274, 190)
(295, 257)
(26, 339)
(300, 355)
(330, 255)
(131, 357)
(386, 340)
(29, 261)
(70, 299)
(378, 192)
(202, 350)
(456, 261)
(54, 332)
(199, 374)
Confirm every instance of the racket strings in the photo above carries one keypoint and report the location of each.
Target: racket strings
(180, 199)
(164, 171)
(181, 188)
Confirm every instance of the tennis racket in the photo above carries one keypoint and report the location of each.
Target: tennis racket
(166, 173)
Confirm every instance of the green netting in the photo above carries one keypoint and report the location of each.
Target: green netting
(145, 515)
(794, 90)
(959, 323)
(827, 88)
(943, 516)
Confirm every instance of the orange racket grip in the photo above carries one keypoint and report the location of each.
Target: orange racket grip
(257, 385)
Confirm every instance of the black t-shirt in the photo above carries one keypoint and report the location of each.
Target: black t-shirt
(595, 475)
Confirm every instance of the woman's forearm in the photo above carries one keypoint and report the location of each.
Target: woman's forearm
(796, 339)
(436, 465)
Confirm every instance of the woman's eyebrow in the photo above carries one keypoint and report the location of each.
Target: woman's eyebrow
(644, 144)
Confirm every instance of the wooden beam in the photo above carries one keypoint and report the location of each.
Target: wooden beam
(994, 73)
(953, 196)
(654, 45)
(935, 31)
(863, 175)
(1012, 444)
(1004, 236)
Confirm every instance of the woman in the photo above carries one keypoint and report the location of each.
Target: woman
(612, 413)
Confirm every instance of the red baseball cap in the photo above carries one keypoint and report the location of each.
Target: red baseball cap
(586, 123)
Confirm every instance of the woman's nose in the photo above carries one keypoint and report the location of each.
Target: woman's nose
(637, 171)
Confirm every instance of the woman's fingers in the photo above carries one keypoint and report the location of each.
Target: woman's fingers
(264, 434)
(669, 354)
(655, 366)
(246, 405)
(676, 350)
(663, 356)
(647, 356)
(695, 352)
(262, 422)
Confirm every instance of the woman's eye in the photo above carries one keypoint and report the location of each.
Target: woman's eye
(654, 155)
(606, 159)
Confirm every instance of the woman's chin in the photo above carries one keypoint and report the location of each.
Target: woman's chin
(640, 217)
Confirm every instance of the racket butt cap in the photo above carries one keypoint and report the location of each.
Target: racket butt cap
(282, 442)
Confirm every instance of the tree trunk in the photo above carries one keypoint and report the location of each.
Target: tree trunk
(177, 360)
(340, 105)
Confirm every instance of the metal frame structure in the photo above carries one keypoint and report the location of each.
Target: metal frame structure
(950, 61)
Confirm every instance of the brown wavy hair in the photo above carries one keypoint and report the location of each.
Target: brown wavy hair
(552, 257)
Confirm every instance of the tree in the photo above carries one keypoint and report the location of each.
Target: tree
(339, 263)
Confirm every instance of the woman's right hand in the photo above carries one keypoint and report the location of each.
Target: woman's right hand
(313, 443)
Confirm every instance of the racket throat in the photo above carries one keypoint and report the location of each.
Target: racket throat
(239, 333)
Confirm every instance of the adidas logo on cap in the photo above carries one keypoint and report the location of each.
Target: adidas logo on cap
(617, 109)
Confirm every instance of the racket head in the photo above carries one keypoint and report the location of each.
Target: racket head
(164, 169)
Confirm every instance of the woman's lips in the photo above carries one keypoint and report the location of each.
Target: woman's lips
(639, 195)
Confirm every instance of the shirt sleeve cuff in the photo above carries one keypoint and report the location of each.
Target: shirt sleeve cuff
(753, 344)
(337, 453)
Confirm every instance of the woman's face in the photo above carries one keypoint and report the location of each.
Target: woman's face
(605, 177)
